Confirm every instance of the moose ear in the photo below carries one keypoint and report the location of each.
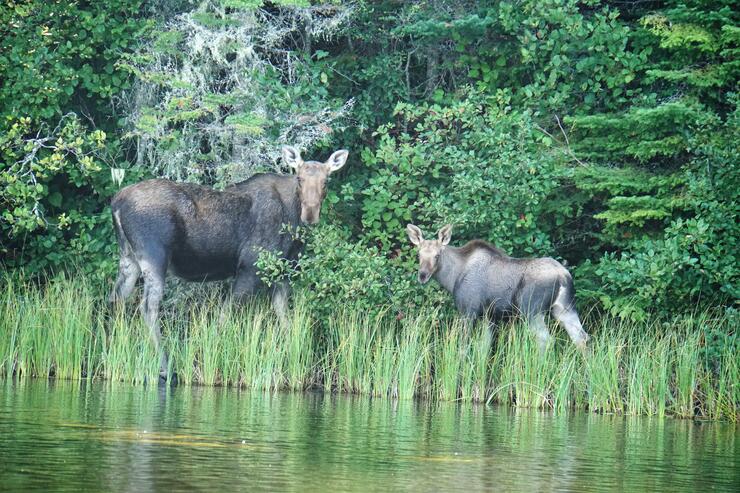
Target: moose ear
(292, 157)
(445, 234)
(414, 234)
(337, 160)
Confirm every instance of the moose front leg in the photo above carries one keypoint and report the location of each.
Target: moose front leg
(469, 312)
(246, 284)
(280, 294)
(538, 326)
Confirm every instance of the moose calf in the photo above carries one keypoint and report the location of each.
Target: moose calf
(481, 277)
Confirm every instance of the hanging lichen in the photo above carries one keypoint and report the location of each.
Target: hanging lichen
(220, 88)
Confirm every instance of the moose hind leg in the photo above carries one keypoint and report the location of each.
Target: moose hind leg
(153, 294)
(571, 322)
(537, 323)
(564, 311)
(128, 273)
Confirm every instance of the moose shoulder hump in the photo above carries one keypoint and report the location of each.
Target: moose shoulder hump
(474, 245)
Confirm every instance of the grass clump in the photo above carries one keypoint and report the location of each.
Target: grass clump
(64, 330)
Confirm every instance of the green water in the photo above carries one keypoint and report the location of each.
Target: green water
(73, 436)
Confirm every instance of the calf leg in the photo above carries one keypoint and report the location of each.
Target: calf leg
(571, 322)
(469, 312)
(564, 311)
(154, 273)
(538, 326)
(128, 273)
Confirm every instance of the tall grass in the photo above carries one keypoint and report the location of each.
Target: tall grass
(64, 330)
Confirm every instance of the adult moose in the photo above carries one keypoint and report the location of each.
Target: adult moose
(481, 277)
(201, 234)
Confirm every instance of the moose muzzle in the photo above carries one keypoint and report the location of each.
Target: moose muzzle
(310, 214)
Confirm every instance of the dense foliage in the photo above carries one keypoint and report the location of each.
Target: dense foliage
(59, 72)
(601, 133)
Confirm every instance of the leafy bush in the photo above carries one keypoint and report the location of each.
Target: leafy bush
(694, 260)
(60, 55)
(337, 270)
(53, 197)
(472, 164)
(58, 60)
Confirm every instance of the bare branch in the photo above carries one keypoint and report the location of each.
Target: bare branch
(565, 144)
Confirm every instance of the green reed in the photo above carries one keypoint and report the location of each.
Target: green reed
(11, 321)
(64, 329)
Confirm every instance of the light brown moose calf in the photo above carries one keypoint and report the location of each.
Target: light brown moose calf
(483, 279)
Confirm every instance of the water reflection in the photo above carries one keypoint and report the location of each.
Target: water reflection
(119, 438)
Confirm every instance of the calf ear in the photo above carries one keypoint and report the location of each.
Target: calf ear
(337, 160)
(292, 157)
(445, 234)
(414, 234)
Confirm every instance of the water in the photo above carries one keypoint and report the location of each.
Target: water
(72, 436)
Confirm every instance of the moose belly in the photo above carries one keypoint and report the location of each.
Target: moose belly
(194, 267)
(500, 310)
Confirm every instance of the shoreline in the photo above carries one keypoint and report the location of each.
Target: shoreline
(631, 368)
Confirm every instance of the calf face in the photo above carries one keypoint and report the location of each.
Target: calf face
(429, 250)
(312, 178)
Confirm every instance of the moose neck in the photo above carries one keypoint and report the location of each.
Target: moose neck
(285, 186)
(450, 266)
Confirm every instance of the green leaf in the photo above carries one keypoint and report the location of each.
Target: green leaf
(55, 199)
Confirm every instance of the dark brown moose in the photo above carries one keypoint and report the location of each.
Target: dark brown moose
(483, 279)
(201, 234)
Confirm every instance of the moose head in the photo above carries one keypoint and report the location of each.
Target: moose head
(429, 250)
(312, 178)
